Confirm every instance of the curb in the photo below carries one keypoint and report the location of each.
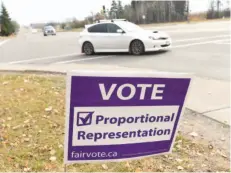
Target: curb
(212, 119)
(4, 41)
(33, 71)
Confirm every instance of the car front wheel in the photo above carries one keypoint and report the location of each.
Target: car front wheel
(88, 48)
(137, 47)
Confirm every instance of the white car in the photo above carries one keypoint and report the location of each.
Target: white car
(33, 31)
(49, 30)
(120, 35)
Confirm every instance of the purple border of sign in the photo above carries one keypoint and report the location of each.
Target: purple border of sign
(180, 87)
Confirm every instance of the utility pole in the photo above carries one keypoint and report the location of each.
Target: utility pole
(187, 10)
(169, 11)
(218, 8)
(92, 14)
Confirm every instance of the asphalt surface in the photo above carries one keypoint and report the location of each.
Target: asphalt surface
(202, 49)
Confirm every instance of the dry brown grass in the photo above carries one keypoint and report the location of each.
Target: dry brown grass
(30, 135)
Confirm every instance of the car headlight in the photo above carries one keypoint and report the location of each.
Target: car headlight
(151, 37)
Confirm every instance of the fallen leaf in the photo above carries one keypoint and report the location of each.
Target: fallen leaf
(2, 121)
(26, 139)
(166, 156)
(222, 154)
(24, 135)
(199, 154)
(26, 121)
(9, 118)
(193, 134)
(210, 146)
(16, 165)
(52, 158)
(179, 160)
(178, 146)
(128, 165)
(26, 169)
(48, 109)
(26, 81)
(105, 166)
(170, 158)
(180, 141)
(222, 138)
(180, 168)
(52, 152)
(138, 170)
(60, 146)
(16, 127)
(5, 83)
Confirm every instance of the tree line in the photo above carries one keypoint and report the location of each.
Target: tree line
(7, 26)
(215, 9)
(146, 12)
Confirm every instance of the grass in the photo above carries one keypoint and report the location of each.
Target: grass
(7, 37)
(30, 135)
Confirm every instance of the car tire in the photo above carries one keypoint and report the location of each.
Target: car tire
(88, 48)
(137, 47)
(45, 35)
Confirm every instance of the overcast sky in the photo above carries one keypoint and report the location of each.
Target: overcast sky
(31, 11)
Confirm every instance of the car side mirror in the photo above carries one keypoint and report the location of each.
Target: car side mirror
(120, 31)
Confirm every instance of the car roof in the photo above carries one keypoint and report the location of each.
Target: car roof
(48, 26)
(106, 22)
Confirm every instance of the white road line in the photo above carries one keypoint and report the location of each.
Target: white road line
(199, 43)
(44, 58)
(3, 42)
(83, 59)
(195, 30)
(223, 43)
(199, 38)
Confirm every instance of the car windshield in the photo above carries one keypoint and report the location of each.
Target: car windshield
(48, 27)
(131, 26)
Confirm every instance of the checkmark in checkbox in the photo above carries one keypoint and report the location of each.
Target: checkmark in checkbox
(84, 118)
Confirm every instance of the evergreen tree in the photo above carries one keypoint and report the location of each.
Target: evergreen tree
(114, 9)
(6, 25)
(120, 10)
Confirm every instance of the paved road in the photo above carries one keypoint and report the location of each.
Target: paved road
(202, 49)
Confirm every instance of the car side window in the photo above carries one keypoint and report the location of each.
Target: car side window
(99, 28)
(112, 28)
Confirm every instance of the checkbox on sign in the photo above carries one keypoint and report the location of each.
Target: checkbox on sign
(84, 118)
